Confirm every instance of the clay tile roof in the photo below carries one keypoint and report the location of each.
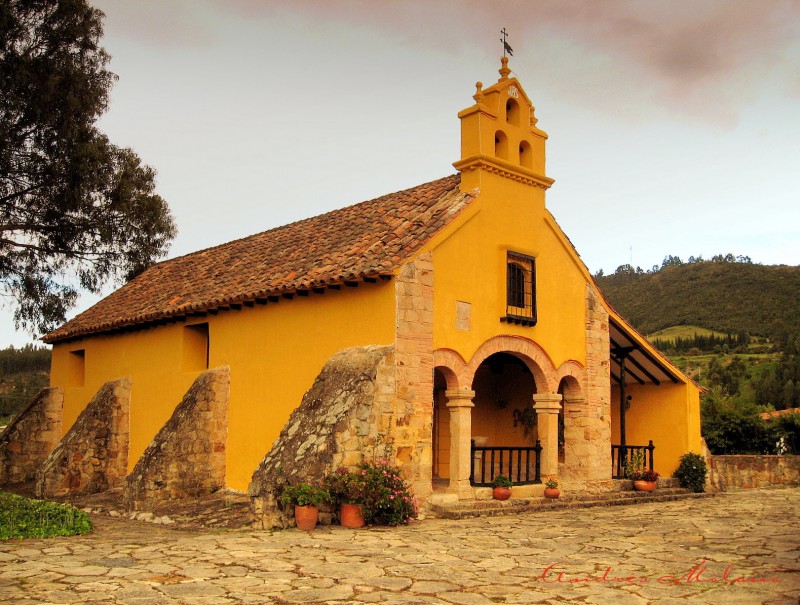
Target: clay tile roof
(364, 240)
(777, 413)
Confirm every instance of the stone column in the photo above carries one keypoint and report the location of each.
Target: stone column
(547, 406)
(459, 403)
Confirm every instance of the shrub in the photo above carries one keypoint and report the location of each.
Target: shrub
(551, 483)
(691, 472)
(386, 498)
(786, 433)
(25, 518)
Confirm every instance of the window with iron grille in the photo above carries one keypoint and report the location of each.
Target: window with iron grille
(520, 289)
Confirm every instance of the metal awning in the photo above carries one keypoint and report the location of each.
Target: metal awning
(641, 366)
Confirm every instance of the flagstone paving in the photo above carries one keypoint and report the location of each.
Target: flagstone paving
(738, 548)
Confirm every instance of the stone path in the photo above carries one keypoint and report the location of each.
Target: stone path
(740, 547)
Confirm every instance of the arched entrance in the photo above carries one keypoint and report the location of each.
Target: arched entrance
(514, 384)
(504, 422)
(503, 412)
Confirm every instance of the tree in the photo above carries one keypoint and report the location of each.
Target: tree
(731, 428)
(76, 211)
(671, 261)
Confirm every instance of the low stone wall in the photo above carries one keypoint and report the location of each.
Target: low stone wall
(186, 459)
(31, 436)
(93, 455)
(339, 421)
(745, 471)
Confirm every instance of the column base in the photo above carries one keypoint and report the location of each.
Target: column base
(462, 489)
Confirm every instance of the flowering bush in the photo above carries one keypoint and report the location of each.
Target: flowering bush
(386, 498)
(691, 472)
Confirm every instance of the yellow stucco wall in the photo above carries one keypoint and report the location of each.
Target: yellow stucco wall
(669, 414)
(275, 352)
(470, 266)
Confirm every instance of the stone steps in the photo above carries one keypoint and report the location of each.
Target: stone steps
(492, 508)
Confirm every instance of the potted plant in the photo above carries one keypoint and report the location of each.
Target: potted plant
(644, 481)
(306, 499)
(501, 487)
(347, 492)
(551, 488)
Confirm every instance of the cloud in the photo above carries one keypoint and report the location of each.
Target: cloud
(709, 59)
(168, 24)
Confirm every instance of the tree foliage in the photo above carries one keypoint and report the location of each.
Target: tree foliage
(703, 342)
(75, 210)
(781, 388)
(732, 426)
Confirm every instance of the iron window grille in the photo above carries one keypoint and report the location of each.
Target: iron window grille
(520, 290)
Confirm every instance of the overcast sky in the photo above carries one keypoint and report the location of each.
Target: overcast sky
(674, 126)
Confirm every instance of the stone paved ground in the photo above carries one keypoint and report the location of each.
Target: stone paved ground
(675, 552)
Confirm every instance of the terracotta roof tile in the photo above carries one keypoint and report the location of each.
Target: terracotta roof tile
(367, 239)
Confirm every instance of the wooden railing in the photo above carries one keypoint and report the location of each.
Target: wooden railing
(520, 464)
(622, 455)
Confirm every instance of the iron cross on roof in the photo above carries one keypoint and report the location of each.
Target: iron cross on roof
(506, 47)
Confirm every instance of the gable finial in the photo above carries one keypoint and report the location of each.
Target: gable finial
(506, 47)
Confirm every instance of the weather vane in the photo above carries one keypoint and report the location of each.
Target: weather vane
(506, 47)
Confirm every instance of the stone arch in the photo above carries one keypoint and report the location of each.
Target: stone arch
(530, 353)
(451, 365)
(573, 376)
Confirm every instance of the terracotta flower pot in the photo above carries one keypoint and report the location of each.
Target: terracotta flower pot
(501, 493)
(351, 515)
(306, 517)
(644, 486)
(552, 492)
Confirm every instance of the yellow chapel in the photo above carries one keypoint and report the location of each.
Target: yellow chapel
(453, 322)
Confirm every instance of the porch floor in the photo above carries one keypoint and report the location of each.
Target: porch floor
(667, 491)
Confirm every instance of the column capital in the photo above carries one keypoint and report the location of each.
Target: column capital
(547, 403)
(459, 398)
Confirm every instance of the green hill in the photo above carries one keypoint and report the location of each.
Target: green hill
(23, 372)
(729, 297)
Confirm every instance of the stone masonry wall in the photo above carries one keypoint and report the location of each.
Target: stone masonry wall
(345, 416)
(93, 455)
(31, 436)
(412, 433)
(186, 459)
(750, 471)
(587, 423)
